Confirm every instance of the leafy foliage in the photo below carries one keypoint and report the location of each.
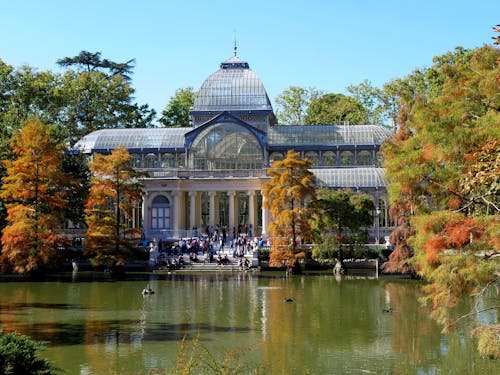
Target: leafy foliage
(373, 100)
(77, 170)
(335, 109)
(488, 340)
(115, 189)
(97, 94)
(292, 104)
(432, 160)
(442, 165)
(290, 196)
(176, 114)
(95, 100)
(339, 210)
(92, 62)
(193, 357)
(18, 356)
(35, 192)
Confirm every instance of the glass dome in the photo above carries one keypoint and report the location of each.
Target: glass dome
(232, 87)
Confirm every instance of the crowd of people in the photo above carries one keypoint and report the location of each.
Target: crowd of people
(213, 246)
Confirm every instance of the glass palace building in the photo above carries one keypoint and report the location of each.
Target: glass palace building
(212, 174)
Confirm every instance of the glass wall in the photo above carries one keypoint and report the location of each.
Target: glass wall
(226, 146)
(329, 158)
(313, 157)
(364, 158)
(346, 158)
(223, 209)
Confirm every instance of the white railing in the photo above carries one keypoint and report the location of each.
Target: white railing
(191, 173)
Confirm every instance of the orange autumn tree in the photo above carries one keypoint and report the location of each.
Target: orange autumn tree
(115, 190)
(289, 194)
(442, 167)
(34, 192)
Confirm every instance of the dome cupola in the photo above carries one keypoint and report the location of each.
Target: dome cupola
(233, 88)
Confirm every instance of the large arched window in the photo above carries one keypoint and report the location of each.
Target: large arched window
(160, 213)
(226, 146)
(136, 161)
(151, 161)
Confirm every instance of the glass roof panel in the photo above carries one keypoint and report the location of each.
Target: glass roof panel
(354, 178)
(155, 138)
(327, 135)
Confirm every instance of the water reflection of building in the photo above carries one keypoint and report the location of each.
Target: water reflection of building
(212, 174)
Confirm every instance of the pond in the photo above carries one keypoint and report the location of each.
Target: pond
(330, 326)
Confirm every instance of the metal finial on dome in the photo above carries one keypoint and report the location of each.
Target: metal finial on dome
(235, 45)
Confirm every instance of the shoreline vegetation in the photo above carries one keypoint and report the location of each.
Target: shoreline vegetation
(21, 355)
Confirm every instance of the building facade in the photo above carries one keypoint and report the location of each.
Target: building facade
(211, 175)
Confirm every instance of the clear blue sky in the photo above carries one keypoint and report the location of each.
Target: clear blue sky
(326, 44)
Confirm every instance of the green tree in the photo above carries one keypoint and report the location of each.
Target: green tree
(27, 94)
(339, 210)
(292, 104)
(290, 196)
(335, 109)
(19, 356)
(95, 100)
(176, 113)
(76, 102)
(35, 191)
(77, 169)
(5, 133)
(92, 62)
(115, 190)
(442, 167)
(372, 100)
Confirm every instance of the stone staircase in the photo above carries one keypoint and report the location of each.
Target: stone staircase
(202, 266)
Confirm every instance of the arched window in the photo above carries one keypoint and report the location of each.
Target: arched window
(226, 146)
(160, 213)
(136, 161)
(168, 160)
(329, 158)
(313, 157)
(364, 158)
(151, 161)
(347, 158)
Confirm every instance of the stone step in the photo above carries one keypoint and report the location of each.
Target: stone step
(233, 265)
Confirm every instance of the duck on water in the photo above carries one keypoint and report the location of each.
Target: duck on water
(147, 290)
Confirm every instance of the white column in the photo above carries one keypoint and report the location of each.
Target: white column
(178, 215)
(145, 220)
(265, 217)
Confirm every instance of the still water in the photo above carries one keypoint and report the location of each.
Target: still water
(333, 326)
